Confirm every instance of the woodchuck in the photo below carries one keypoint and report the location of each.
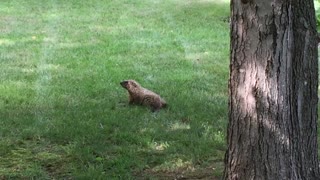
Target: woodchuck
(141, 96)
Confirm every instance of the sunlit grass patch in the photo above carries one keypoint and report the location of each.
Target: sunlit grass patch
(173, 165)
(179, 126)
(158, 146)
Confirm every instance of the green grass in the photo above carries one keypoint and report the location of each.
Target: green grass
(63, 113)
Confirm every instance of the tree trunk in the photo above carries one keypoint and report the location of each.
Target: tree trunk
(272, 131)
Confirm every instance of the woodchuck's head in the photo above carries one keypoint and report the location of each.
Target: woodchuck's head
(129, 84)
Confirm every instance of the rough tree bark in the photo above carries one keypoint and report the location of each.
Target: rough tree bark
(272, 131)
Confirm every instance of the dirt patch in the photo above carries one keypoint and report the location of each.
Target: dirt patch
(180, 174)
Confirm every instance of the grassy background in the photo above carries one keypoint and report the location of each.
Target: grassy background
(63, 113)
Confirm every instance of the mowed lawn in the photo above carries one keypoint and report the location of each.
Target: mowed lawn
(63, 113)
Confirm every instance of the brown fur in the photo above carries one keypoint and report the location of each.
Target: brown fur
(141, 96)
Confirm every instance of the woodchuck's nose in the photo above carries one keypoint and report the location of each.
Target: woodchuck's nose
(123, 84)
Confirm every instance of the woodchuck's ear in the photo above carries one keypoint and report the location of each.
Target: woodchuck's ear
(133, 83)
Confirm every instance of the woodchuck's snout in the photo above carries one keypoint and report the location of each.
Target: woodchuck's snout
(124, 84)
